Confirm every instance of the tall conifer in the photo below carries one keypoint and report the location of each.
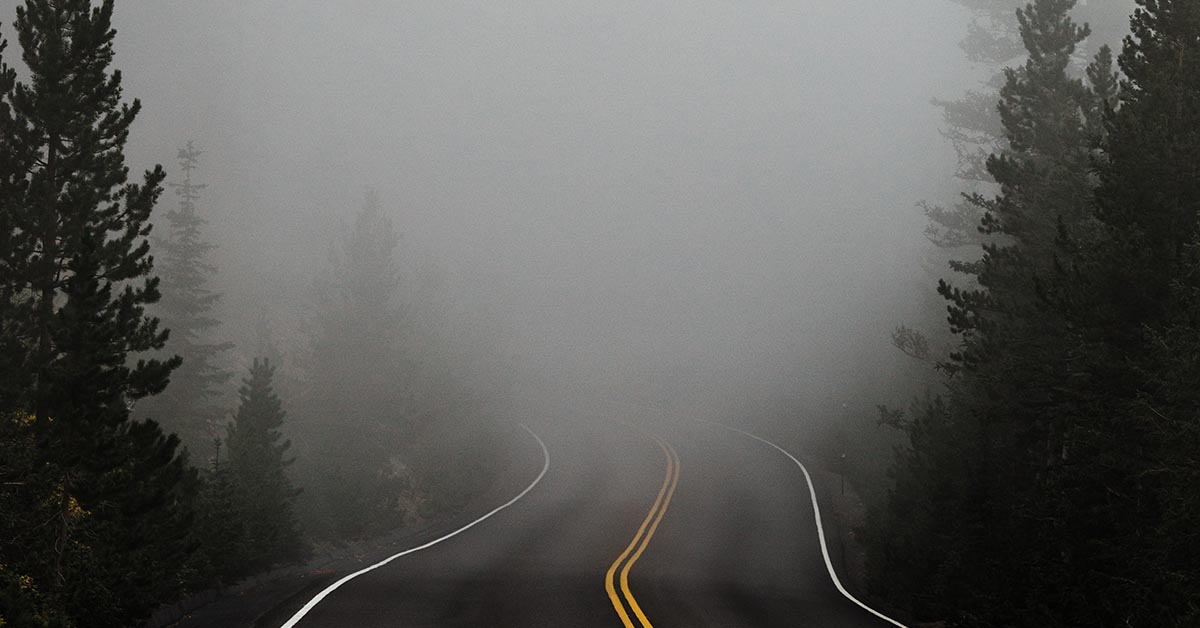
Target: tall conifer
(979, 487)
(188, 405)
(75, 270)
(1141, 477)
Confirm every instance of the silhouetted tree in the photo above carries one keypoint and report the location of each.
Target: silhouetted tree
(75, 276)
(1136, 480)
(258, 464)
(979, 488)
(973, 126)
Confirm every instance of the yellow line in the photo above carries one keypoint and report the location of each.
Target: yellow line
(612, 570)
(637, 610)
(643, 535)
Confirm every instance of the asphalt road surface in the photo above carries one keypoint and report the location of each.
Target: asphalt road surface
(634, 526)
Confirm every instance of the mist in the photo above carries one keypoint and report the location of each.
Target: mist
(716, 199)
(901, 294)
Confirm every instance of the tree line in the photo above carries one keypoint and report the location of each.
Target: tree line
(104, 515)
(130, 475)
(1050, 480)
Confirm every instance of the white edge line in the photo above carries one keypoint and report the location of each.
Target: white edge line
(344, 579)
(820, 528)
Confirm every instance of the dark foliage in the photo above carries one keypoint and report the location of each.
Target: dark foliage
(258, 462)
(107, 500)
(1054, 483)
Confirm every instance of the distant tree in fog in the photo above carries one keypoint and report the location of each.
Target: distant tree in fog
(355, 416)
(972, 125)
(188, 406)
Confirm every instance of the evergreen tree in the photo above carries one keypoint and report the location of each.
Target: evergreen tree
(26, 506)
(1059, 470)
(23, 606)
(974, 127)
(74, 271)
(972, 122)
(1150, 190)
(1140, 480)
(356, 413)
(220, 529)
(1044, 179)
(187, 407)
(979, 488)
(258, 469)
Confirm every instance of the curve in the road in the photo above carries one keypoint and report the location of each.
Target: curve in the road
(347, 578)
(820, 528)
(640, 541)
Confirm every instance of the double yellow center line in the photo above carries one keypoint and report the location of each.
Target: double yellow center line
(638, 545)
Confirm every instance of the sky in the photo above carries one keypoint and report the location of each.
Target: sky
(715, 194)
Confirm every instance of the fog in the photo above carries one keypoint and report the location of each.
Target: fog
(713, 199)
(495, 279)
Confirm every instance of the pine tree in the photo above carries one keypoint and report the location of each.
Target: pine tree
(1141, 478)
(982, 476)
(75, 271)
(974, 127)
(187, 407)
(258, 464)
(23, 606)
(1060, 468)
(1150, 192)
(25, 506)
(220, 529)
(355, 415)
(1044, 179)
(972, 122)
(13, 296)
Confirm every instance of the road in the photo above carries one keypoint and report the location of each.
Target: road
(670, 525)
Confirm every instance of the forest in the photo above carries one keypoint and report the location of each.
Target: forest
(1048, 478)
(138, 465)
(1032, 459)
